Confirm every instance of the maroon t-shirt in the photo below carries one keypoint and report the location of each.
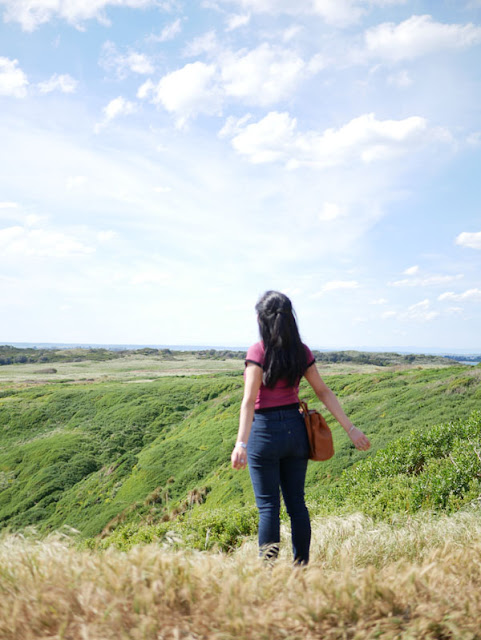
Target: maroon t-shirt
(281, 394)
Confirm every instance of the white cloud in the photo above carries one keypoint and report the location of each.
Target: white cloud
(106, 236)
(9, 205)
(13, 81)
(339, 13)
(471, 240)
(145, 90)
(426, 281)
(34, 220)
(206, 43)
(73, 182)
(32, 13)
(268, 140)
(237, 20)
(117, 107)
(58, 82)
(132, 61)
(187, 91)
(262, 76)
(418, 36)
(469, 295)
(331, 211)
(22, 242)
(401, 79)
(419, 312)
(411, 271)
(364, 139)
(474, 139)
(337, 285)
(379, 301)
(169, 32)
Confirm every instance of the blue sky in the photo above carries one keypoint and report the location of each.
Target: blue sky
(165, 162)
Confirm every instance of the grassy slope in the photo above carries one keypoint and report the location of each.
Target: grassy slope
(82, 454)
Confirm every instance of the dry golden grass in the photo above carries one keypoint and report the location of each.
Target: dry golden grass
(420, 578)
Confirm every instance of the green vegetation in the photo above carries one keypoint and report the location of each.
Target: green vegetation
(16, 355)
(436, 470)
(382, 359)
(150, 460)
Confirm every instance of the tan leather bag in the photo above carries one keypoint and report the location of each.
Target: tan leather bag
(321, 446)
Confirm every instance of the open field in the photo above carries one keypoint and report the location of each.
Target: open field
(419, 579)
(132, 368)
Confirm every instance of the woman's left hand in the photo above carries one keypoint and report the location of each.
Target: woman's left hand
(359, 440)
(239, 457)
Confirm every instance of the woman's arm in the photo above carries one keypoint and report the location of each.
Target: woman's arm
(328, 398)
(253, 381)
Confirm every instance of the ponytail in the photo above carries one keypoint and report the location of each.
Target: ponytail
(285, 355)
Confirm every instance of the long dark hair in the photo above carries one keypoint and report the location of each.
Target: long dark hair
(285, 355)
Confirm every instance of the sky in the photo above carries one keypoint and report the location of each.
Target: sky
(164, 162)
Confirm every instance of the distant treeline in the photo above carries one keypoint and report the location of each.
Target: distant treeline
(377, 359)
(17, 355)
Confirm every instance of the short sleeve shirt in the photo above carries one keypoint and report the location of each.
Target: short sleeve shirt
(281, 394)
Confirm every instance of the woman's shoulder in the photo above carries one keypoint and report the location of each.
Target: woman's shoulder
(310, 357)
(256, 353)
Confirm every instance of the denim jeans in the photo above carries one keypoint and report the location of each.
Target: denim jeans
(277, 454)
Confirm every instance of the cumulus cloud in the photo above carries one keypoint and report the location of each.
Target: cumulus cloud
(185, 92)
(339, 13)
(469, 295)
(58, 82)
(262, 76)
(471, 240)
(365, 138)
(418, 36)
(23, 241)
(122, 64)
(206, 43)
(30, 14)
(237, 20)
(13, 81)
(419, 312)
(117, 107)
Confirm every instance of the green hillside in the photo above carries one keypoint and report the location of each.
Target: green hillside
(105, 455)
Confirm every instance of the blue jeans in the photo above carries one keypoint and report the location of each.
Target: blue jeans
(277, 454)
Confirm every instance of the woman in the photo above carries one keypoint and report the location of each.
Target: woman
(272, 435)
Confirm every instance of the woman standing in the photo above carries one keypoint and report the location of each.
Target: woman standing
(272, 436)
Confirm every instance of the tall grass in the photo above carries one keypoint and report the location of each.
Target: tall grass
(417, 578)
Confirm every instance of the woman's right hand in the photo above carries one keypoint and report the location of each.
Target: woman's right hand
(239, 457)
(359, 440)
